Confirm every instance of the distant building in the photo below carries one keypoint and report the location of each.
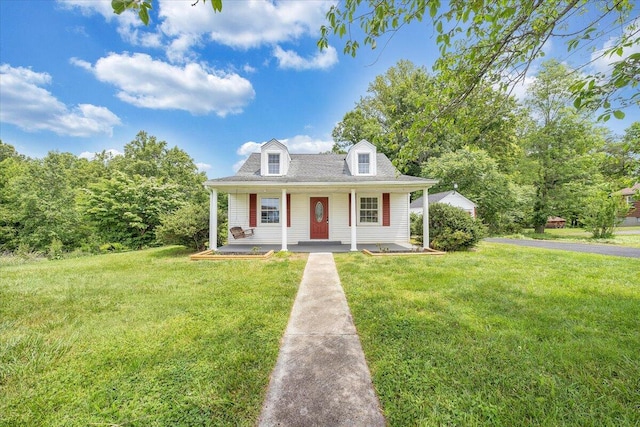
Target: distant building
(555, 222)
(632, 198)
(452, 198)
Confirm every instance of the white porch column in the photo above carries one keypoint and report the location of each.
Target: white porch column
(213, 220)
(283, 219)
(425, 218)
(354, 242)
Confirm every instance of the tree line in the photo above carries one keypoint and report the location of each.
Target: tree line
(150, 195)
(520, 162)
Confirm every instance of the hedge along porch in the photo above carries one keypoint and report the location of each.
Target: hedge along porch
(352, 198)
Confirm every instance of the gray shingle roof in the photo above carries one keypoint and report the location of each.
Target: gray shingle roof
(434, 198)
(317, 168)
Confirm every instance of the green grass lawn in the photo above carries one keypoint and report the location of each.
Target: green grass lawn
(503, 336)
(141, 339)
(583, 236)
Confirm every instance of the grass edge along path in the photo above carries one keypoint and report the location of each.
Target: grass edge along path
(501, 336)
(141, 338)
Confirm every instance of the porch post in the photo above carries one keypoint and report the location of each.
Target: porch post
(283, 219)
(213, 219)
(354, 243)
(425, 218)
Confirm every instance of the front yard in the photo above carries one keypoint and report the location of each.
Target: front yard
(141, 339)
(503, 336)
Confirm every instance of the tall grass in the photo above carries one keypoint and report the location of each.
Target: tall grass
(142, 338)
(504, 336)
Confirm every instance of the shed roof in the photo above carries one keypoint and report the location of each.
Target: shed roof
(436, 197)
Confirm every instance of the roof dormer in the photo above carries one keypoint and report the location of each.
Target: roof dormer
(274, 159)
(361, 159)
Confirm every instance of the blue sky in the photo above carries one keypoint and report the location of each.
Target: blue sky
(75, 77)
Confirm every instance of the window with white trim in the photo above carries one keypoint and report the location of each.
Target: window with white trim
(364, 163)
(269, 210)
(369, 213)
(273, 162)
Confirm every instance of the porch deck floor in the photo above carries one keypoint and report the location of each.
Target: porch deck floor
(312, 247)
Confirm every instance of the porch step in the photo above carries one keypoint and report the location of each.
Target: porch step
(319, 242)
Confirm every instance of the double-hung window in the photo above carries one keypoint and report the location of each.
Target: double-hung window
(363, 163)
(270, 210)
(274, 164)
(369, 210)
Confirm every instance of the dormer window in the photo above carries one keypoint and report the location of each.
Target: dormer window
(363, 164)
(274, 159)
(361, 159)
(274, 163)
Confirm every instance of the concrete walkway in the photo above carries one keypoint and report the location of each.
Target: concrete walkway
(623, 251)
(321, 377)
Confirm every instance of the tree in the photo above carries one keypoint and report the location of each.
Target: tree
(43, 203)
(603, 212)
(12, 166)
(400, 115)
(622, 159)
(150, 158)
(561, 146)
(127, 209)
(496, 41)
(385, 117)
(501, 204)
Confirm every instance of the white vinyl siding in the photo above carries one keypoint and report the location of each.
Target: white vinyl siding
(270, 234)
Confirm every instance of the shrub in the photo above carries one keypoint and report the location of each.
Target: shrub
(453, 229)
(188, 226)
(55, 249)
(603, 213)
(416, 226)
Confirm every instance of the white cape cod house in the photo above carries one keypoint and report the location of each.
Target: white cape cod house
(354, 198)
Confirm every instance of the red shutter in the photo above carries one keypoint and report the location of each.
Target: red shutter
(253, 201)
(288, 210)
(349, 210)
(386, 210)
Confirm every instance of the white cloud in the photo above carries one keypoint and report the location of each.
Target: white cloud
(602, 63)
(112, 152)
(249, 69)
(148, 83)
(26, 104)
(519, 91)
(304, 144)
(130, 28)
(180, 27)
(102, 7)
(249, 147)
(299, 144)
(203, 167)
(242, 25)
(290, 59)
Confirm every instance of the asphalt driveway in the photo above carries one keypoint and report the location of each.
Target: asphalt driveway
(575, 247)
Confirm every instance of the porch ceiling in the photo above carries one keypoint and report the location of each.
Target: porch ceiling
(320, 188)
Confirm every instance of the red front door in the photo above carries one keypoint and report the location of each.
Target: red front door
(319, 217)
